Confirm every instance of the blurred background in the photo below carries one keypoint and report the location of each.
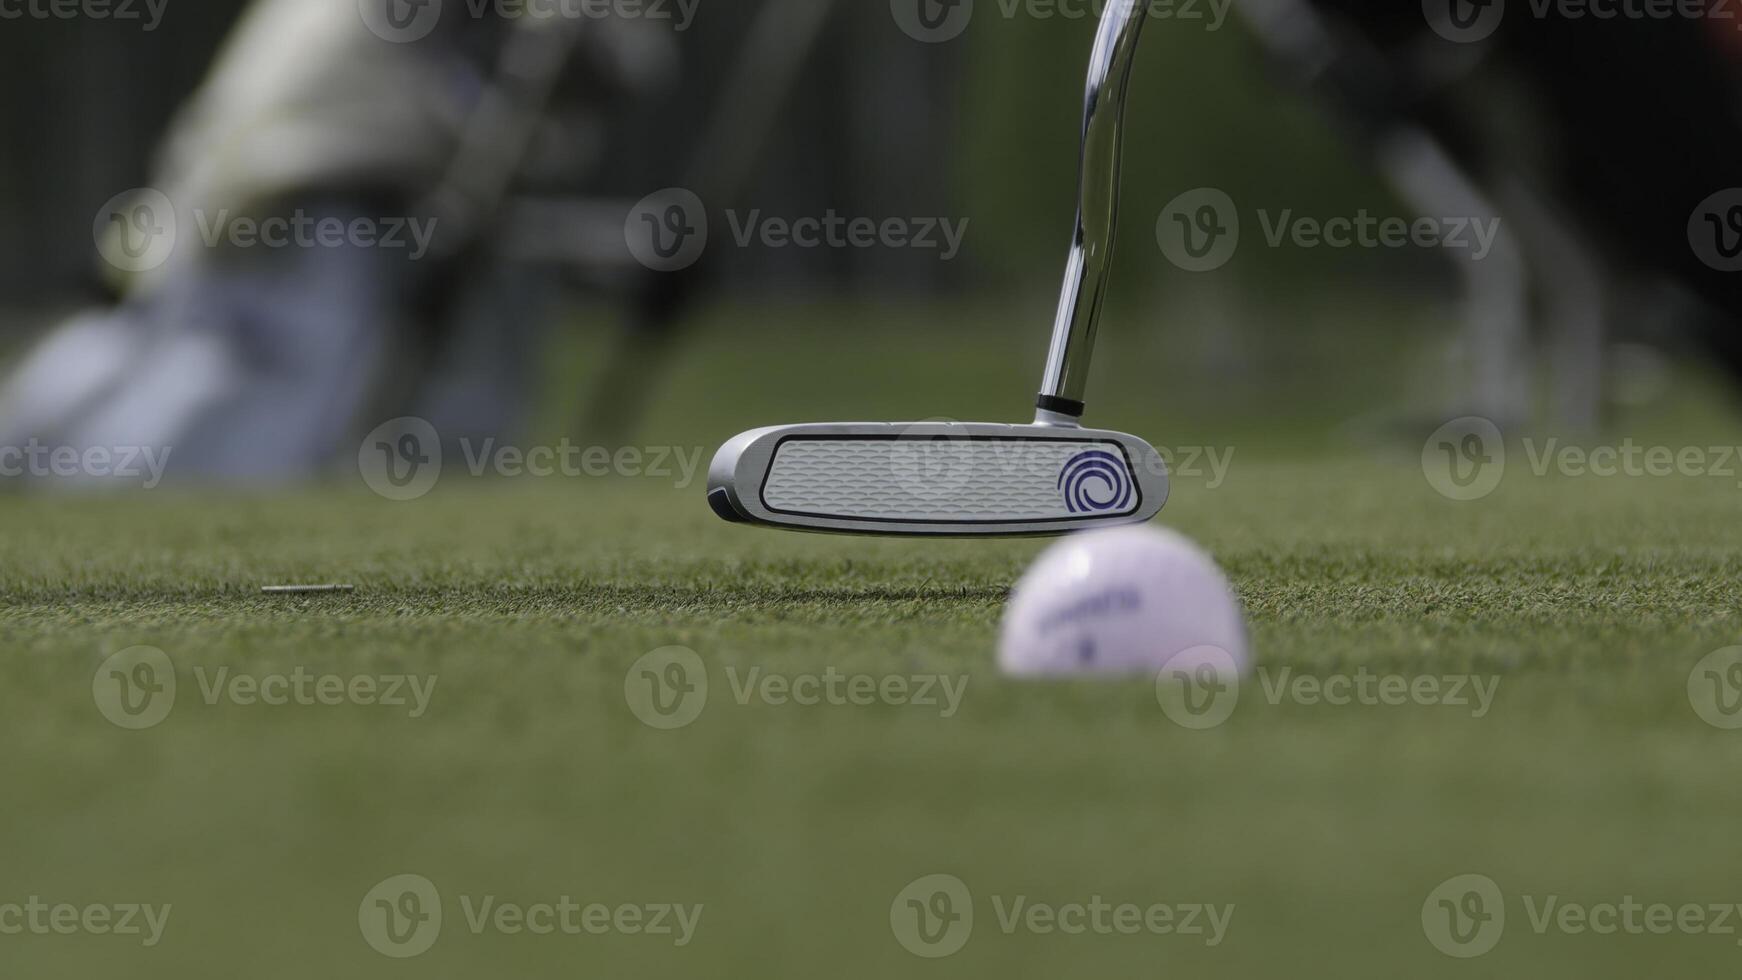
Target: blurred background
(1561, 285)
(1567, 270)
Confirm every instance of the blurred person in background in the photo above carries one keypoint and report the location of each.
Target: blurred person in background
(392, 139)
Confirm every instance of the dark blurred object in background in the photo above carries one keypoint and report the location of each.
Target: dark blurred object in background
(1598, 139)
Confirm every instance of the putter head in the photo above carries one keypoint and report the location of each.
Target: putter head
(963, 479)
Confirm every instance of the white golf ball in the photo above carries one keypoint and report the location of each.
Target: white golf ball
(1124, 601)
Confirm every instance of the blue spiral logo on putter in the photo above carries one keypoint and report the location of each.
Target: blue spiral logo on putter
(1095, 481)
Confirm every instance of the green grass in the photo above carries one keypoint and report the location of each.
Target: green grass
(530, 778)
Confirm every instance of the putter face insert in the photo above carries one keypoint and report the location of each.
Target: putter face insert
(936, 478)
(978, 478)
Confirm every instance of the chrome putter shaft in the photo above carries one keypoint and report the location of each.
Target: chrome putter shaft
(1085, 286)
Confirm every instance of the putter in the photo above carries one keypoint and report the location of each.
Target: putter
(979, 479)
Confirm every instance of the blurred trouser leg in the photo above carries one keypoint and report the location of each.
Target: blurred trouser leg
(258, 361)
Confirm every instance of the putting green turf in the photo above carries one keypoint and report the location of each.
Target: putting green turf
(1590, 777)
